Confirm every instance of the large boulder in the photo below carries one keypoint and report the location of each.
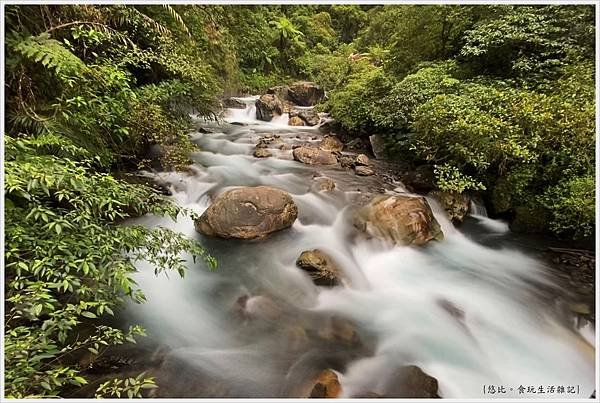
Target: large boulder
(248, 213)
(305, 93)
(331, 143)
(321, 268)
(314, 156)
(309, 116)
(404, 220)
(455, 204)
(267, 106)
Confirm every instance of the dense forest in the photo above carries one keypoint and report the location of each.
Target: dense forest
(497, 100)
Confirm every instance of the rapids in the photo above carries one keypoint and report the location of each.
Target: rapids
(507, 334)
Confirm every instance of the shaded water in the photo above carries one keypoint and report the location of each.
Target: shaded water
(500, 329)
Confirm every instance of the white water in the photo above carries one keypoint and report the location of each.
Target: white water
(479, 212)
(395, 296)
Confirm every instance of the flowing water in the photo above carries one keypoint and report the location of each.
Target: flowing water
(467, 313)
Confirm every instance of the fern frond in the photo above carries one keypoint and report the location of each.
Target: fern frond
(175, 15)
(152, 23)
(51, 54)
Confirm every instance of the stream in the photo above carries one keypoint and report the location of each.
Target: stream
(470, 311)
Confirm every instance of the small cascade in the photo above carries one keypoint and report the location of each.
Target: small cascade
(281, 120)
(477, 209)
(479, 212)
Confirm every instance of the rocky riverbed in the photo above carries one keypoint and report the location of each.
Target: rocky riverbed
(336, 279)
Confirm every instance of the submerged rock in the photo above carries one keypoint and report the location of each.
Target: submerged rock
(267, 106)
(325, 184)
(331, 143)
(305, 93)
(248, 213)
(321, 268)
(327, 385)
(314, 156)
(339, 330)
(411, 382)
(455, 204)
(404, 220)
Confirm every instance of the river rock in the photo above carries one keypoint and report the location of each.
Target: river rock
(314, 156)
(248, 213)
(269, 140)
(281, 91)
(267, 106)
(325, 184)
(295, 337)
(326, 385)
(233, 103)
(309, 116)
(361, 159)
(377, 146)
(339, 330)
(295, 121)
(422, 178)
(257, 307)
(455, 204)
(346, 161)
(321, 268)
(404, 220)
(362, 170)
(331, 143)
(262, 152)
(305, 93)
(411, 382)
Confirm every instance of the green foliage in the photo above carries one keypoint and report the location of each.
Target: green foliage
(496, 97)
(356, 103)
(347, 20)
(130, 387)
(90, 92)
(572, 206)
(67, 264)
(450, 179)
(532, 43)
